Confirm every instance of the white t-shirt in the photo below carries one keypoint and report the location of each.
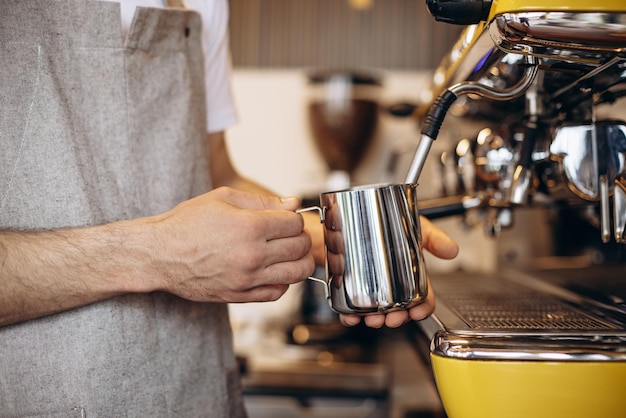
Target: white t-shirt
(221, 113)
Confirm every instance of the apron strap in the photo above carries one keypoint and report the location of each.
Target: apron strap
(176, 4)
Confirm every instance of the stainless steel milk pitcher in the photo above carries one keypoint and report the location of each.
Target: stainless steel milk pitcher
(374, 260)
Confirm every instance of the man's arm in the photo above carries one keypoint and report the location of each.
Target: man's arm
(223, 246)
(47, 272)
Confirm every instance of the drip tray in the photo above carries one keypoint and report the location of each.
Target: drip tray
(527, 344)
(525, 316)
(515, 301)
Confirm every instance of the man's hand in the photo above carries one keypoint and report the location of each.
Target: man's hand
(440, 245)
(223, 246)
(232, 246)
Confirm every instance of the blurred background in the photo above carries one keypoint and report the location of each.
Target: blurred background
(278, 46)
(325, 91)
(367, 58)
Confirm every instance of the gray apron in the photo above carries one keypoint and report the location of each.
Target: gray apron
(93, 131)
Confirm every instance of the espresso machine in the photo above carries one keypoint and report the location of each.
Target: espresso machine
(537, 88)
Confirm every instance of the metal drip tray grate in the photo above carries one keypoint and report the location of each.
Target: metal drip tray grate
(488, 302)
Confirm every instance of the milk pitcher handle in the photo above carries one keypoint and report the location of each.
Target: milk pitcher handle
(321, 213)
(312, 208)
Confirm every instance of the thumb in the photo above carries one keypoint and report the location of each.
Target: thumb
(437, 242)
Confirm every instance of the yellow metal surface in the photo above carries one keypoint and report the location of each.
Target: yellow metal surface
(506, 6)
(530, 389)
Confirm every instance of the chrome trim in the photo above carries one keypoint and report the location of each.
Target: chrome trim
(443, 319)
(509, 93)
(452, 337)
(530, 346)
(463, 88)
(578, 37)
(587, 151)
(592, 73)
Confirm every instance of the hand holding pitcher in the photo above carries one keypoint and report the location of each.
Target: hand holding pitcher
(436, 242)
(374, 258)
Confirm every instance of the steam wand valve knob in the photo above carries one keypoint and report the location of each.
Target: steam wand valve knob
(459, 12)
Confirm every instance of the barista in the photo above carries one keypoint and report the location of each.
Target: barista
(124, 228)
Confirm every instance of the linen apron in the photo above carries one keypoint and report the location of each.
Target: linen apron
(95, 129)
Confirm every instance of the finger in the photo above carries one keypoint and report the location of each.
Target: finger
(426, 308)
(290, 272)
(274, 224)
(334, 242)
(396, 318)
(436, 241)
(375, 320)
(266, 293)
(336, 263)
(350, 320)
(281, 250)
(422, 311)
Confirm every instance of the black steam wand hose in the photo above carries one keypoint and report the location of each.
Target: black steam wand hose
(439, 109)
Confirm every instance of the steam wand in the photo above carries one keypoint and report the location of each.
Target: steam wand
(439, 109)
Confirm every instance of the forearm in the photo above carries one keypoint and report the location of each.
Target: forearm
(52, 271)
(222, 246)
(223, 172)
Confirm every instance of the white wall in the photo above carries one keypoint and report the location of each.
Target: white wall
(271, 143)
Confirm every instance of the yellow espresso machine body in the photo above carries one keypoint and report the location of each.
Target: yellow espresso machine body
(517, 343)
(508, 345)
